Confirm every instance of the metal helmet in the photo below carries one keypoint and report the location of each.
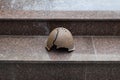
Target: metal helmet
(61, 38)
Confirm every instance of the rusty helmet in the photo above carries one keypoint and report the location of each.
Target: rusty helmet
(61, 38)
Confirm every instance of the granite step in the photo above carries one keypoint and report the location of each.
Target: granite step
(32, 48)
(63, 9)
(44, 27)
(25, 58)
(39, 17)
(24, 28)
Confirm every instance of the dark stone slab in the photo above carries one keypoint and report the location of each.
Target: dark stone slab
(88, 27)
(95, 76)
(60, 71)
(19, 27)
(7, 72)
(97, 71)
(114, 72)
(39, 27)
(102, 71)
(98, 68)
(35, 71)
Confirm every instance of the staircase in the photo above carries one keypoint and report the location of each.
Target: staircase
(26, 24)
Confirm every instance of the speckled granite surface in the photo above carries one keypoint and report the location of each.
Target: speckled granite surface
(59, 9)
(32, 48)
(80, 28)
(20, 14)
(60, 5)
(25, 58)
(57, 71)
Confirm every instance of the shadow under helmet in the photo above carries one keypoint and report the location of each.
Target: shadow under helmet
(61, 38)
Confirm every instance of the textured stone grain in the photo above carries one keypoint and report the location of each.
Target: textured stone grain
(107, 45)
(32, 48)
(55, 9)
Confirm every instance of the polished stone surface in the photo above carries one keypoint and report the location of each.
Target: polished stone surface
(59, 9)
(71, 5)
(102, 28)
(107, 45)
(114, 72)
(65, 5)
(36, 71)
(99, 71)
(59, 71)
(23, 4)
(32, 48)
(84, 15)
(53, 15)
(25, 58)
(19, 27)
(80, 28)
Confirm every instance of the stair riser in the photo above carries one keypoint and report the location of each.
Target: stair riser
(77, 27)
(57, 71)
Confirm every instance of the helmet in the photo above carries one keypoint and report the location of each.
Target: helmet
(61, 38)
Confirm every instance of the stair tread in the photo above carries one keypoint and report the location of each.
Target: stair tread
(63, 9)
(32, 48)
(49, 15)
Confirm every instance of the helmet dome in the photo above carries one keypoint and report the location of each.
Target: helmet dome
(61, 38)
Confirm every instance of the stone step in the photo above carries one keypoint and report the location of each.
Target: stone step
(44, 27)
(63, 9)
(25, 58)
(39, 17)
(59, 71)
(96, 34)
(59, 15)
(32, 48)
